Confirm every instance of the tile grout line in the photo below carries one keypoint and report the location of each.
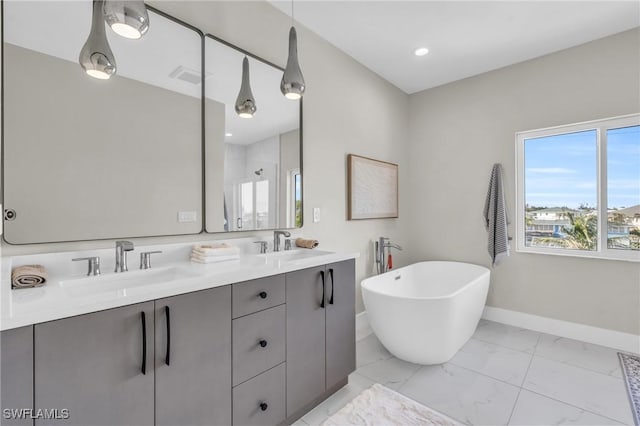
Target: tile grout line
(580, 367)
(574, 406)
(483, 374)
(513, 409)
(409, 378)
(547, 358)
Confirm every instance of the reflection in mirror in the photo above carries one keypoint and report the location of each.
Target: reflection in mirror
(90, 159)
(252, 165)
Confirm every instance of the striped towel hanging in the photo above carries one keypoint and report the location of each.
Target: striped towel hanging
(496, 218)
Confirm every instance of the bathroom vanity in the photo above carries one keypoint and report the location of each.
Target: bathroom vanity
(207, 347)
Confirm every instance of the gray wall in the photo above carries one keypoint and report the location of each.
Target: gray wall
(459, 130)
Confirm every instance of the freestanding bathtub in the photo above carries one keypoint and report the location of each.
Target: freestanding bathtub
(423, 313)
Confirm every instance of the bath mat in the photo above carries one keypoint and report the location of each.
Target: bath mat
(379, 405)
(631, 371)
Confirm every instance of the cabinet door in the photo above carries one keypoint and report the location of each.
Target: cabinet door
(340, 321)
(305, 337)
(92, 365)
(193, 384)
(16, 354)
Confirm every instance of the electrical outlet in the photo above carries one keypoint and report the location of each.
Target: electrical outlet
(187, 217)
(316, 214)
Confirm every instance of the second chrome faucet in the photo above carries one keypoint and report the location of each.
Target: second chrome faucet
(122, 247)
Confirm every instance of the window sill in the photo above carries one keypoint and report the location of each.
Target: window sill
(632, 256)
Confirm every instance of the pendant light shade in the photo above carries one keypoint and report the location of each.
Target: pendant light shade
(292, 85)
(96, 57)
(245, 103)
(127, 18)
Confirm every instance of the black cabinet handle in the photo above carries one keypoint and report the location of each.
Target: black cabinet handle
(263, 406)
(167, 314)
(333, 290)
(263, 343)
(263, 294)
(143, 318)
(322, 303)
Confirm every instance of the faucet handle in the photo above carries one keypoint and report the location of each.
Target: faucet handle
(287, 244)
(93, 263)
(263, 246)
(145, 258)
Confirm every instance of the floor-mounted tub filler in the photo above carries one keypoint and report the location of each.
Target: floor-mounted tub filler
(425, 312)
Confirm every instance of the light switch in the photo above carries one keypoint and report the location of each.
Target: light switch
(187, 217)
(316, 214)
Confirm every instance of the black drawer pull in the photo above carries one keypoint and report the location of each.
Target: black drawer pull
(263, 406)
(263, 343)
(143, 318)
(168, 354)
(263, 294)
(322, 303)
(333, 289)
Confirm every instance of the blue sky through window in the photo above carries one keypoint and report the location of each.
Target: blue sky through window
(623, 167)
(561, 170)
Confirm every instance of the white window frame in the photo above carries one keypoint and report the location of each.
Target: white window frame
(601, 127)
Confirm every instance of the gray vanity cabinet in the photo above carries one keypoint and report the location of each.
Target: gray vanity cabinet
(193, 358)
(16, 356)
(305, 337)
(98, 366)
(340, 322)
(320, 331)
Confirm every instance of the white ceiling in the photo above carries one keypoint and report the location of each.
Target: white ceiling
(465, 38)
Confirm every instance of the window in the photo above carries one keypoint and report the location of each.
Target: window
(294, 199)
(578, 189)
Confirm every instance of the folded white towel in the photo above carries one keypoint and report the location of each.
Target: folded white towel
(213, 259)
(215, 250)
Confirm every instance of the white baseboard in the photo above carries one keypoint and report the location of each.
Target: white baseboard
(362, 326)
(571, 330)
(598, 336)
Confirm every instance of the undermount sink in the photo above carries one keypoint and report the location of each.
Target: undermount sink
(123, 280)
(293, 256)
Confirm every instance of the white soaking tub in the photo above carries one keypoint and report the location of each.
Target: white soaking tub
(423, 313)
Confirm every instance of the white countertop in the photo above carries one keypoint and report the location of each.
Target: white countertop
(68, 291)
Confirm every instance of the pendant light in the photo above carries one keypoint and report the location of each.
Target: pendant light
(96, 57)
(128, 18)
(292, 85)
(245, 103)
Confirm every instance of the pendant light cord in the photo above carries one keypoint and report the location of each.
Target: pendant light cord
(292, 19)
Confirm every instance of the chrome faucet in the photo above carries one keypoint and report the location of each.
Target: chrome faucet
(276, 238)
(381, 257)
(122, 247)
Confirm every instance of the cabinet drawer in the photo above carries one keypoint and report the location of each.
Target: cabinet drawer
(261, 400)
(256, 295)
(258, 343)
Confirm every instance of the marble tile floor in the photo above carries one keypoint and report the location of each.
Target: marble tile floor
(503, 375)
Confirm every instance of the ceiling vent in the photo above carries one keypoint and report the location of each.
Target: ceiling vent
(186, 74)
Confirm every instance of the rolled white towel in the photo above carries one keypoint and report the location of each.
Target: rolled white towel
(28, 276)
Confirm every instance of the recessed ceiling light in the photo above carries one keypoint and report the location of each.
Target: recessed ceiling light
(421, 51)
(228, 134)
